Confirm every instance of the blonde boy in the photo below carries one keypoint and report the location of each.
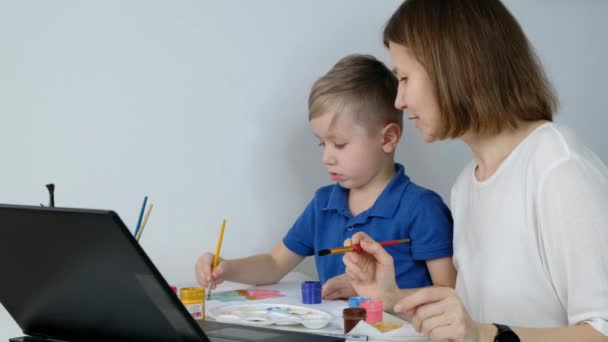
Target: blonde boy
(352, 113)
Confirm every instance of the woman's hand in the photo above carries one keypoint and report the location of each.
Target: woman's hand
(438, 312)
(372, 272)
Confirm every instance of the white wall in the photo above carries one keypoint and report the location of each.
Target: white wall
(202, 106)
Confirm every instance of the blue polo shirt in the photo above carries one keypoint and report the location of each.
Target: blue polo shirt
(403, 210)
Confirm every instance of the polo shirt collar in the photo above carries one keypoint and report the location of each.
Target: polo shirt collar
(386, 204)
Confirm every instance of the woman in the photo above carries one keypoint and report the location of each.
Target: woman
(530, 218)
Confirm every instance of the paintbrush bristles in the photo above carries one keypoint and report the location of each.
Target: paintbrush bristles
(324, 252)
(335, 250)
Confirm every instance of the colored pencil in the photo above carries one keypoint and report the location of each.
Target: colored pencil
(141, 215)
(357, 248)
(216, 257)
(143, 224)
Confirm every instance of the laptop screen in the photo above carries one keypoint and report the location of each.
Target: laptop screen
(72, 274)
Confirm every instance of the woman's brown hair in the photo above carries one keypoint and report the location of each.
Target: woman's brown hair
(485, 73)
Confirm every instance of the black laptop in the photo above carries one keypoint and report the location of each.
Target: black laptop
(79, 275)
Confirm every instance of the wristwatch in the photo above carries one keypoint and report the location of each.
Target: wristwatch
(505, 334)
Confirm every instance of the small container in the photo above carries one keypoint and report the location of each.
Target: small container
(193, 299)
(311, 292)
(354, 302)
(374, 310)
(352, 316)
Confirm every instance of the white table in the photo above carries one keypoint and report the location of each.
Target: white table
(290, 286)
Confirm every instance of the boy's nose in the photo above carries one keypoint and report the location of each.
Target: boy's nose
(328, 158)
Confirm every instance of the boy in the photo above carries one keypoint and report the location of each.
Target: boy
(352, 113)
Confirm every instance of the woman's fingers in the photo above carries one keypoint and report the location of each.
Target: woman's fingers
(370, 246)
(428, 325)
(353, 271)
(425, 312)
(423, 296)
(438, 313)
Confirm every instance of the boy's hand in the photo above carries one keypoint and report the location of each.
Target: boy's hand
(203, 271)
(372, 272)
(338, 287)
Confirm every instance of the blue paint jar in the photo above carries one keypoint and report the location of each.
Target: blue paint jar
(311, 292)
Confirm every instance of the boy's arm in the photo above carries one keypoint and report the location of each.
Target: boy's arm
(442, 272)
(262, 269)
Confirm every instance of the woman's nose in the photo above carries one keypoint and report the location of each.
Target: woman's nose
(400, 99)
(400, 103)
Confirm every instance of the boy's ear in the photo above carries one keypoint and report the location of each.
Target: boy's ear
(390, 134)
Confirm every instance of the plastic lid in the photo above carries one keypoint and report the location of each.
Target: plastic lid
(354, 302)
(192, 293)
(372, 305)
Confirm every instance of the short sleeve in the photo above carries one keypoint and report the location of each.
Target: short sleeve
(573, 225)
(432, 228)
(300, 237)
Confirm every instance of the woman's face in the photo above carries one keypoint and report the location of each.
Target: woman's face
(415, 93)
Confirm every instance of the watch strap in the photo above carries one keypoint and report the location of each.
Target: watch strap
(505, 334)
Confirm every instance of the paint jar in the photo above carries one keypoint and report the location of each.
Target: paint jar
(193, 299)
(311, 292)
(352, 316)
(354, 302)
(374, 310)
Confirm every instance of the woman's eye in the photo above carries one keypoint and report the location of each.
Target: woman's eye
(339, 146)
(321, 144)
(403, 79)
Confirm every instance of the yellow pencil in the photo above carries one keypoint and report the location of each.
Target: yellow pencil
(216, 258)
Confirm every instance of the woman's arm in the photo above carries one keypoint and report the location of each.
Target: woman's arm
(437, 312)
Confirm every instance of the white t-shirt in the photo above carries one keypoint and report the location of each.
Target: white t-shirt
(531, 241)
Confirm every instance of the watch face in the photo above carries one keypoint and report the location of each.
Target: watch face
(507, 336)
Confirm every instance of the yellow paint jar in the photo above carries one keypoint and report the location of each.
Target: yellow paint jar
(193, 299)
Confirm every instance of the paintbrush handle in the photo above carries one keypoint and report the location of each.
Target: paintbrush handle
(393, 242)
(357, 248)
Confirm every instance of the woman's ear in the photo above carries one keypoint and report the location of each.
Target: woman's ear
(390, 134)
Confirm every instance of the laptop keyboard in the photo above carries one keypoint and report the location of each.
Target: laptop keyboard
(220, 339)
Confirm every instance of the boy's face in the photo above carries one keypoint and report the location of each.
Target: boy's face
(415, 93)
(351, 154)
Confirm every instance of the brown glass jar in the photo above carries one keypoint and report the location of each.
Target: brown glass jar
(352, 316)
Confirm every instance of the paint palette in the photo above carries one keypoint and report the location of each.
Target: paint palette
(268, 314)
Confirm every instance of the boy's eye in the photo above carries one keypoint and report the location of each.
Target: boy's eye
(339, 146)
(403, 79)
(321, 144)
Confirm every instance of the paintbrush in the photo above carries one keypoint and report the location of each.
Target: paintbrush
(216, 257)
(357, 248)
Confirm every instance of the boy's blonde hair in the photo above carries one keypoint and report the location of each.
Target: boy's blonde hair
(484, 71)
(360, 85)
